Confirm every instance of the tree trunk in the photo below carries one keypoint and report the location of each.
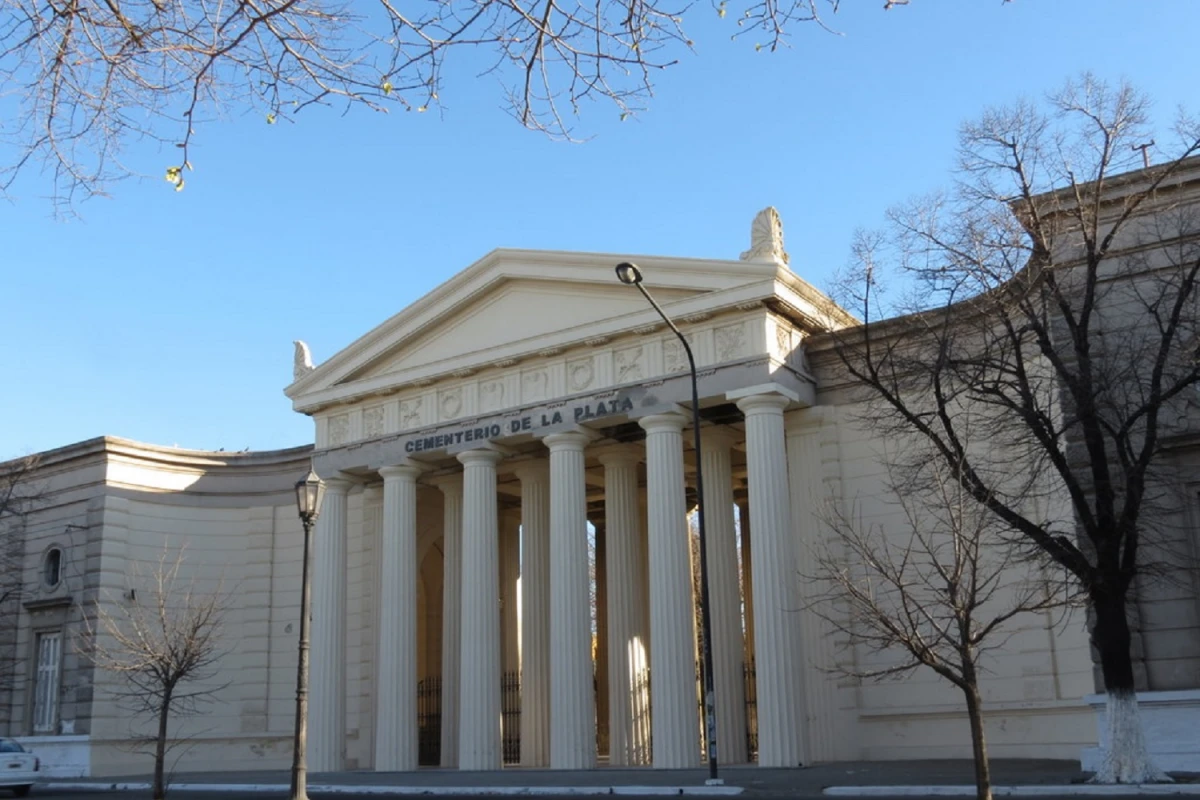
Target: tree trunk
(983, 772)
(1126, 758)
(160, 747)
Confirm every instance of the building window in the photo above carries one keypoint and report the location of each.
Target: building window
(45, 688)
(52, 568)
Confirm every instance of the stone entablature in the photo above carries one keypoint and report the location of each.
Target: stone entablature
(385, 383)
(748, 311)
(596, 369)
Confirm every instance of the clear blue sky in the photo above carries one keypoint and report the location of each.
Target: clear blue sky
(168, 318)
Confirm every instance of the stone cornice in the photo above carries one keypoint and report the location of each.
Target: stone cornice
(110, 447)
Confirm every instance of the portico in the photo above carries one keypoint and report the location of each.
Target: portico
(533, 384)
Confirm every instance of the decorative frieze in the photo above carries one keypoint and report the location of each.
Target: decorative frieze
(373, 421)
(731, 341)
(535, 385)
(410, 413)
(491, 395)
(339, 429)
(610, 363)
(674, 356)
(450, 403)
(580, 374)
(630, 364)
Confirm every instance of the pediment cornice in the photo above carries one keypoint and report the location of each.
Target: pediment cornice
(346, 376)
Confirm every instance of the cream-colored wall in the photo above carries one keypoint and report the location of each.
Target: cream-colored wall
(1032, 690)
(234, 521)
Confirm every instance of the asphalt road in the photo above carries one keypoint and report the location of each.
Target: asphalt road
(48, 793)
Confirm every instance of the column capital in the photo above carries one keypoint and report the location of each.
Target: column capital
(767, 403)
(620, 454)
(567, 440)
(671, 421)
(399, 472)
(470, 457)
(766, 397)
(339, 483)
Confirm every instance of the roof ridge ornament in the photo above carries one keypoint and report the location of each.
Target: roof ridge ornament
(302, 362)
(766, 238)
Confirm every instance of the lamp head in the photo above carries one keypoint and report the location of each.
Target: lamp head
(629, 274)
(310, 491)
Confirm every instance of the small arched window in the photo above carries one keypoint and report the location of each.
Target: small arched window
(52, 568)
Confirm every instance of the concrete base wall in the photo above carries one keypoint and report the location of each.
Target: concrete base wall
(202, 754)
(1171, 721)
(61, 756)
(1051, 730)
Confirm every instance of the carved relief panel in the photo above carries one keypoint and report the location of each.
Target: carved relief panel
(339, 430)
(535, 385)
(581, 374)
(630, 364)
(373, 421)
(450, 403)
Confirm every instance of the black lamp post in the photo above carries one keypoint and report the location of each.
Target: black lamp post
(309, 493)
(630, 275)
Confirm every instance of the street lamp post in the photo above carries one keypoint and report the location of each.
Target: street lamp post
(310, 491)
(630, 275)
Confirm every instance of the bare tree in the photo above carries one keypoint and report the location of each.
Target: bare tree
(162, 643)
(21, 492)
(940, 589)
(88, 77)
(1053, 290)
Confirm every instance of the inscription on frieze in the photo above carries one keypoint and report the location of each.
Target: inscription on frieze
(578, 412)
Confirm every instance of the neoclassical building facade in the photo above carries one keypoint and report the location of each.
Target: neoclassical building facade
(503, 565)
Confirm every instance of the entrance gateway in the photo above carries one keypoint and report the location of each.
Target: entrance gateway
(469, 441)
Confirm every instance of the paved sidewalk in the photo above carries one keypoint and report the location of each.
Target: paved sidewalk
(1023, 776)
(795, 782)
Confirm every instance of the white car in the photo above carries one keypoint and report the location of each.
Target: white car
(18, 767)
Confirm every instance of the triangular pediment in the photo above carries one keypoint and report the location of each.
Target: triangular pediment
(521, 312)
(511, 305)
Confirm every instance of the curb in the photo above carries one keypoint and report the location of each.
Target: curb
(710, 791)
(1074, 789)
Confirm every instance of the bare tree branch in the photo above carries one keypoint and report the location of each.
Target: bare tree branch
(940, 591)
(162, 642)
(87, 78)
(1055, 295)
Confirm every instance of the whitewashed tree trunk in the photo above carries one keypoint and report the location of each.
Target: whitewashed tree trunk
(1126, 759)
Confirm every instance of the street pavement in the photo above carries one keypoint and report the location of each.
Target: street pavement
(754, 781)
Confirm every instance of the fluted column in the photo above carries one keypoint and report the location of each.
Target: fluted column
(641, 695)
(510, 572)
(510, 649)
(479, 689)
(724, 595)
(600, 663)
(396, 687)
(626, 598)
(747, 578)
(572, 702)
(535, 613)
(327, 699)
(674, 718)
(780, 704)
(451, 487)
